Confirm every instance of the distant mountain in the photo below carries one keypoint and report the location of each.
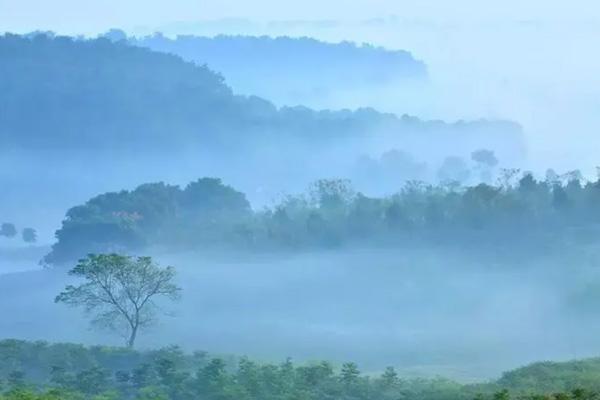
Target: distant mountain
(86, 116)
(66, 93)
(60, 92)
(292, 70)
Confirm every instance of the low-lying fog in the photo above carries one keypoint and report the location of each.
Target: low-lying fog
(428, 311)
(539, 71)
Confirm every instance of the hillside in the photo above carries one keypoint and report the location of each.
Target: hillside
(294, 70)
(553, 376)
(62, 92)
(69, 105)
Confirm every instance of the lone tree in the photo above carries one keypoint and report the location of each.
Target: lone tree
(7, 229)
(29, 235)
(120, 292)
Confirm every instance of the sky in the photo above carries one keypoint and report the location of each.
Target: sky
(77, 16)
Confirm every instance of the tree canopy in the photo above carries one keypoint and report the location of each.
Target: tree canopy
(520, 212)
(8, 230)
(120, 292)
(29, 235)
(42, 371)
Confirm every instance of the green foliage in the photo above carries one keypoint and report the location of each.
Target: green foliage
(520, 213)
(553, 376)
(206, 211)
(73, 372)
(120, 291)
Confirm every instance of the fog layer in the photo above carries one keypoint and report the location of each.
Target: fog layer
(428, 310)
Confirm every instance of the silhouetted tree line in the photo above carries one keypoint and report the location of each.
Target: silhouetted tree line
(291, 70)
(65, 93)
(520, 213)
(66, 371)
(295, 57)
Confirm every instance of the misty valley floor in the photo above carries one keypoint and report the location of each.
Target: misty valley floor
(427, 312)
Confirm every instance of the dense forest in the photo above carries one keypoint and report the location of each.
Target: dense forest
(69, 371)
(63, 92)
(70, 104)
(521, 213)
(292, 70)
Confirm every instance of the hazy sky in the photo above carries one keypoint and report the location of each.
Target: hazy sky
(71, 16)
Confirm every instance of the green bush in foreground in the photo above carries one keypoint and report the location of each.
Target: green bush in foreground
(41, 371)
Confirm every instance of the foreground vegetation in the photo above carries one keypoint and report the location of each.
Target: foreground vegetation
(526, 215)
(40, 370)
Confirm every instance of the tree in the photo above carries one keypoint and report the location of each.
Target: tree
(390, 377)
(332, 195)
(486, 161)
(29, 235)
(485, 157)
(501, 395)
(349, 373)
(120, 291)
(454, 169)
(115, 35)
(7, 229)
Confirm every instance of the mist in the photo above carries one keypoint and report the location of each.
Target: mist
(531, 69)
(375, 306)
(392, 184)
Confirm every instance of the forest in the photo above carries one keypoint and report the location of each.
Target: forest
(290, 70)
(520, 212)
(132, 94)
(73, 103)
(43, 371)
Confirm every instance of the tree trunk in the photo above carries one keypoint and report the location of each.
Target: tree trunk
(131, 341)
